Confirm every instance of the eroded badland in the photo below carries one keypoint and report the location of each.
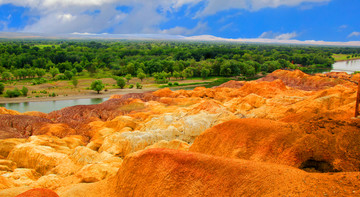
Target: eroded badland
(287, 134)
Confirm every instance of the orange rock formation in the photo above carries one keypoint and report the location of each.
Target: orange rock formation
(255, 138)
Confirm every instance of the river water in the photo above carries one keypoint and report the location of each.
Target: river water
(346, 66)
(49, 106)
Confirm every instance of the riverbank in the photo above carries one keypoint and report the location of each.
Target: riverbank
(89, 95)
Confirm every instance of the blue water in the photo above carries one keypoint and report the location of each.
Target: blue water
(49, 106)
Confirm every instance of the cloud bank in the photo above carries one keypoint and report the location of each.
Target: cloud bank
(278, 36)
(143, 16)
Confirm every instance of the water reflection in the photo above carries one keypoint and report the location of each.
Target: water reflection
(49, 106)
(346, 66)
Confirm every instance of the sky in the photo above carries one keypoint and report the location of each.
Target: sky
(302, 20)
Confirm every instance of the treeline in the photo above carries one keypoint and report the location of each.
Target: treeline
(28, 59)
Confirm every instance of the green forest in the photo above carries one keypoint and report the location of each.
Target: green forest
(159, 59)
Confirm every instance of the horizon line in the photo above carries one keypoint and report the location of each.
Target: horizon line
(209, 38)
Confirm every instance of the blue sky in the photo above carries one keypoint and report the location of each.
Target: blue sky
(328, 20)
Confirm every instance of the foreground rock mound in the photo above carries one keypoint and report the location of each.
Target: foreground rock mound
(170, 172)
(323, 145)
(38, 193)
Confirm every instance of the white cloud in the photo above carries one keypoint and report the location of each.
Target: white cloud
(354, 34)
(199, 28)
(278, 36)
(343, 27)
(286, 36)
(214, 6)
(67, 16)
(265, 40)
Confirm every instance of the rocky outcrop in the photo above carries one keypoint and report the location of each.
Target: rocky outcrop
(19, 126)
(168, 172)
(265, 133)
(6, 145)
(289, 144)
(121, 144)
(40, 158)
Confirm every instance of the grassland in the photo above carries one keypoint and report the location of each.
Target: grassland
(344, 57)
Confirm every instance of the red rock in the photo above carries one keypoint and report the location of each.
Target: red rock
(20, 126)
(165, 172)
(39, 192)
(283, 143)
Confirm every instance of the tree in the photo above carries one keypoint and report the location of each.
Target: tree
(40, 72)
(97, 86)
(120, 82)
(24, 91)
(31, 72)
(75, 82)
(2, 87)
(6, 75)
(176, 74)
(141, 76)
(74, 71)
(68, 74)
(128, 77)
(78, 67)
(54, 71)
(205, 72)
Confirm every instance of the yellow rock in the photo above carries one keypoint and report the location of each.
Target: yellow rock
(74, 141)
(120, 122)
(51, 181)
(121, 144)
(40, 158)
(173, 144)
(7, 145)
(83, 156)
(6, 183)
(7, 165)
(52, 141)
(23, 176)
(96, 172)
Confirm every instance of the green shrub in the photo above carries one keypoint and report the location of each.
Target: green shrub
(24, 91)
(170, 84)
(176, 83)
(2, 87)
(12, 93)
(161, 80)
(39, 81)
(138, 86)
(60, 77)
(131, 86)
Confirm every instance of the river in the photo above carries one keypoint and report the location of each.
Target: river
(49, 106)
(346, 66)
